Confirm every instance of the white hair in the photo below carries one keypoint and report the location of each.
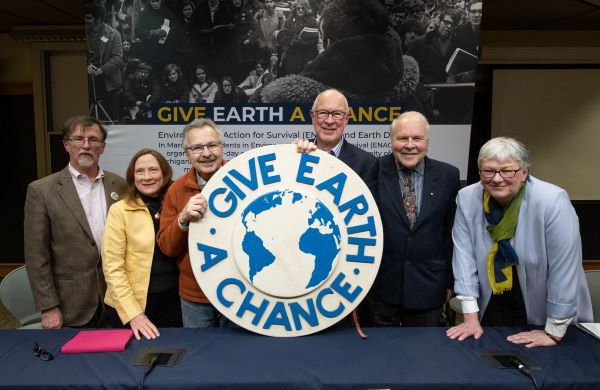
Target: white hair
(197, 123)
(410, 114)
(504, 149)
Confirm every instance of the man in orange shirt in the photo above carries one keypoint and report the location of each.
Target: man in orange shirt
(203, 144)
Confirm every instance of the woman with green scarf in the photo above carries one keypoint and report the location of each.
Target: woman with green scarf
(517, 251)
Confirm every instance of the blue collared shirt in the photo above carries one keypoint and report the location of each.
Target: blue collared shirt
(336, 149)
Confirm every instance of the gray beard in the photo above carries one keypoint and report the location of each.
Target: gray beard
(85, 161)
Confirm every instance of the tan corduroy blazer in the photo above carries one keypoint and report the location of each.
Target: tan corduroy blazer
(63, 261)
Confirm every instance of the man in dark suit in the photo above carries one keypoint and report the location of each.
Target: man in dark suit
(64, 221)
(434, 49)
(416, 199)
(330, 116)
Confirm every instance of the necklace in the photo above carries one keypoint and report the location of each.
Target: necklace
(156, 212)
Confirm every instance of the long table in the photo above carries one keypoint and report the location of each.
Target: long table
(232, 358)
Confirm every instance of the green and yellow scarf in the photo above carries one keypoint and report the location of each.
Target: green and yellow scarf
(502, 224)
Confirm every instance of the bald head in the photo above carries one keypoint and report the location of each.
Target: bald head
(329, 116)
(410, 116)
(410, 138)
(328, 95)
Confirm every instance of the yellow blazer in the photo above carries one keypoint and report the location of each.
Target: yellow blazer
(127, 251)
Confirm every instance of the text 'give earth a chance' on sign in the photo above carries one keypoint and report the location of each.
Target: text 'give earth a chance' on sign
(291, 242)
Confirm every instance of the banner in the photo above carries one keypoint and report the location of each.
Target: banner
(449, 142)
(255, 67)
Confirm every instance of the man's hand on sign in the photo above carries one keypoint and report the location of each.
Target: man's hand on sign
(193, 210)
(304, 146)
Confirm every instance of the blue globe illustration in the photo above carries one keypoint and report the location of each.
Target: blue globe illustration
(289, 245)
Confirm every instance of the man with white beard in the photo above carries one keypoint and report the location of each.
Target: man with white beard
(64, 220)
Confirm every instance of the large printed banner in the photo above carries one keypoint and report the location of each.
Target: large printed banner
(255, 67)
(249, 127)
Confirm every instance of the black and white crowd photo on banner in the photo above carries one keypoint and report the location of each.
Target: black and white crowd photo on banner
(422, 52)
(256, 67)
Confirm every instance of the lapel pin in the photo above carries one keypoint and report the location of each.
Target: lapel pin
(431, 194)
(114, 195)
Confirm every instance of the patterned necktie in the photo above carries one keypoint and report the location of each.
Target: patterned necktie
(332, 153)
(409, 198)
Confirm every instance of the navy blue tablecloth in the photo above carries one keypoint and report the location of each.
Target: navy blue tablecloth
(233, 358)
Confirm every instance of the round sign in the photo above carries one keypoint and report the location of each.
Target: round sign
(291, 242)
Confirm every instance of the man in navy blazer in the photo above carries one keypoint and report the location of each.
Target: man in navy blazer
(329, 115)
(415, 277)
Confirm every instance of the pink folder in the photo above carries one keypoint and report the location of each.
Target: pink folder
(105, 340)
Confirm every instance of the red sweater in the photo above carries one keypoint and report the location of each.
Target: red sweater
(173, 241)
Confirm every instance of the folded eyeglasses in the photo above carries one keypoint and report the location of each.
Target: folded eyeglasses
(41, 353)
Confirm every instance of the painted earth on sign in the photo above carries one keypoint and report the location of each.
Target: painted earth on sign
(316, 237)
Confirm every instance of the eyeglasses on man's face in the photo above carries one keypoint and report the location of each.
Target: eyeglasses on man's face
(79, 141)
(324, 114)
(41, 352)
(199, 148)
(504, 173)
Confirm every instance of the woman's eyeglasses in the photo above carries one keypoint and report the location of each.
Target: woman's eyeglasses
(505, 173)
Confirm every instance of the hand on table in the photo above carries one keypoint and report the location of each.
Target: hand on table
(531, 339)
(142, 324)
(470, 327)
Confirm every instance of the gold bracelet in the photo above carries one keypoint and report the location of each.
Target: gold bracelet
(552, 337)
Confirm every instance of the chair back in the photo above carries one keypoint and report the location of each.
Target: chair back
(16, 296)
(593, 281)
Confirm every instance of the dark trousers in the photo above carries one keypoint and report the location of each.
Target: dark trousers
(508, 308)
(99, 320)
(388, 315)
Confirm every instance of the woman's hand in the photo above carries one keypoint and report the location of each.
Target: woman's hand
(142, 324)
(470, 327)
(531, 339)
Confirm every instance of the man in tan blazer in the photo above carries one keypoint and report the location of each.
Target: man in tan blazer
(64, 220)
